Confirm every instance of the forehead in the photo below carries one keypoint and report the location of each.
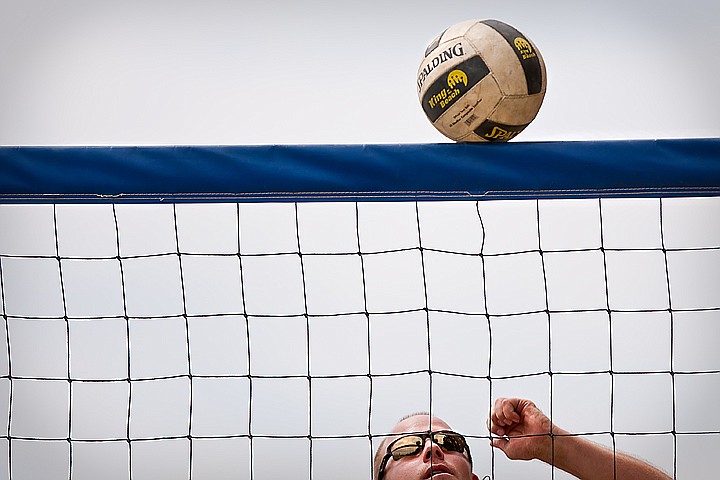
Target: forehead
(420, 423)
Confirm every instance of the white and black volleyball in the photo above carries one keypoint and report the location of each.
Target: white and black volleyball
(481, 81)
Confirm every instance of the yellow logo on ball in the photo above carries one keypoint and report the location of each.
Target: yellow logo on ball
(524, 48)
(498, 133)
(456, 77)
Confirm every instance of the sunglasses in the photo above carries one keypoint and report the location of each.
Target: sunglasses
(413, 444)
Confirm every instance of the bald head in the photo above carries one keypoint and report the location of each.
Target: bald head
(420, 421)
(417, 466)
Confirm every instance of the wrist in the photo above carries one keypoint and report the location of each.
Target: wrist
(557, 446)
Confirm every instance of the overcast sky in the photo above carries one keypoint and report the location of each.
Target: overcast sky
(288, 72)
(89, 72)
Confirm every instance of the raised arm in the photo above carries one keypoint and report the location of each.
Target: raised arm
(523, 433)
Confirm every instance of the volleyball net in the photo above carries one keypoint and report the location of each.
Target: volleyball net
(260, 312)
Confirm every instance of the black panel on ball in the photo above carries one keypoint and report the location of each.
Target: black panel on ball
(525, 52)
(444, 92)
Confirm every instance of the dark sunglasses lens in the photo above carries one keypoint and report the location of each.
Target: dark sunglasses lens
(451, 441)
(407, 445)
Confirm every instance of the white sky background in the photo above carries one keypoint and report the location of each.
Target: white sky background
(292, 72)
(288, 72)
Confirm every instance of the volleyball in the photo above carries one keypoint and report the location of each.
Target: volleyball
(481, 81)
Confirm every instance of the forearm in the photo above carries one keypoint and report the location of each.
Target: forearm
(590, 461)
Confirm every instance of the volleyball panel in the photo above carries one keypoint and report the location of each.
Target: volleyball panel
(500, 58)
(470, 109)
(517, 110)
(451, 86)
(511, 56)
(455, 31)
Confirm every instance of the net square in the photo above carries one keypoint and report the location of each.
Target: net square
(207, 228)
(575, 280)
(334, 284)
(454, 282)
(450, 226)
(273, 285)
(459, 344)
(40, 408)
(32, 287)
(218, 345)
(641, 341)
(339, 345)
(509, 226)
(692, 465)
(220, 406)
(212, 285)
(328, 227)
(146, 229)
(279, 346)
(159, 408)
(386, 227)
(32, 232)
(569, 224)
(38, 348)
(221, 458)
(394, 397)
(99, 410)
(462, 402)
(99, 349)
(175, 455)
(633, 412)
(93, 288)
(636, 280)
(344, 458)
(86, 231)
(394, 281)
(295, 461)
(692, 393)
(696, 337)
(519, 345)
(106, 460)
(153, 286)
(684, 227)
(581, 402)
(580, 342)
(339, 406)
(515, 284)
(694, 278)
(398, 343)
(280, 406)
(268, 228)
(631, 223)
(158, 347)
(24, 455)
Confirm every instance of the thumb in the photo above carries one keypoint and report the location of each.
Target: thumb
(500, 442)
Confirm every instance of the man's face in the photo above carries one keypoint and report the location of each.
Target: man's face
(432, 461)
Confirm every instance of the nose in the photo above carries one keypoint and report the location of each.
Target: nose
(432, 451)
